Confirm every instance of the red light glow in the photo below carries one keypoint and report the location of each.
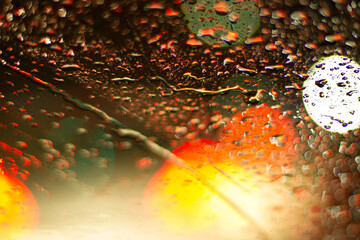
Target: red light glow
(253, 151)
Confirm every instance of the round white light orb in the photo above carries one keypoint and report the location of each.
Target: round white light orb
(331, 94)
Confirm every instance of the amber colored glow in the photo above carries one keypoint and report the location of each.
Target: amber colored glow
(262, 135)
(256, 140)
(18, 207)
(182, 201)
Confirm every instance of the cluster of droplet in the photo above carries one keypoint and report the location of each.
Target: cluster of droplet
(221, 22)
(53, 148)
(333, 159)
(107, 54)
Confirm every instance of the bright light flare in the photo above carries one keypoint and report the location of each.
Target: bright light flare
(183, 202)
(238, 165)
(331, 94)
(19, 211)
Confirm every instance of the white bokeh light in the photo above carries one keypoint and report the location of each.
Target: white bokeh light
(332, 94)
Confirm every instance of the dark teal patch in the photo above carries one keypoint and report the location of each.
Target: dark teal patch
(89, 169)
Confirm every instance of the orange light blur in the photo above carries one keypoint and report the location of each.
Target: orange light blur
(182, 201)
(256, 140)
(262, 135)
(19, 211)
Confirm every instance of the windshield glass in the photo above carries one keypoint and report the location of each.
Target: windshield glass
(181, 119)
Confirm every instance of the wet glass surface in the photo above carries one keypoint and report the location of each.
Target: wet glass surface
(179, 119)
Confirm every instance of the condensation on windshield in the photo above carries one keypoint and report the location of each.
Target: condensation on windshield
(179, 119)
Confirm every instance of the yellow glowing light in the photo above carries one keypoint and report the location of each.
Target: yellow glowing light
(182, 201)
(18, 207)
(256, 140)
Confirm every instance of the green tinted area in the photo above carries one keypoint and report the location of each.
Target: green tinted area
(92, 153)
(223, 22)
